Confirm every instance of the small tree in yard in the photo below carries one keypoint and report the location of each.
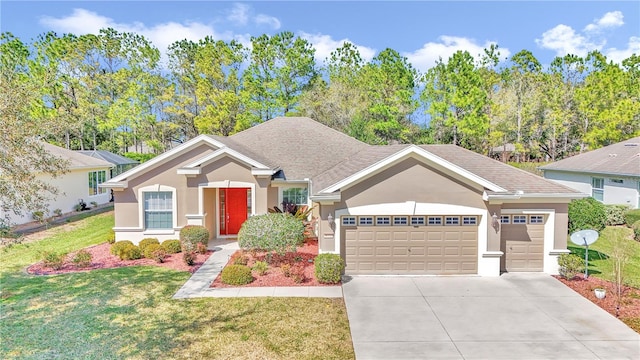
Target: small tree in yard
(279, 232)
(586, 213)
(622, 251)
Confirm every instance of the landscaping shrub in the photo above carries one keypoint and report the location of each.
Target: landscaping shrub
(146, 242)
(191, 235)
(615, 214)
(587, 213)
(286, 269)
(328, 268)
(147, 251)
(53, 259)
(236, 275)
(636, 230)
(239, 258)
(201, 248)
(297, 273)
(631, 216)
(111, 237)
(172, 246)
(82, 259)
(155, 252)
(189, 257)
(118, 246)
(130, 252)
(570, 265)
(271, 232)
(260, 267)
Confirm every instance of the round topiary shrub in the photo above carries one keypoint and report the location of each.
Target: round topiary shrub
(236, 275)
(278, 232)
(82, 259)
(615, 214)
(569, 265)
(328, 268)
(172, 246)
(130, 252)
(191, 235)
(118, 246)
(148, 250)
(146, 242)
(587, 213)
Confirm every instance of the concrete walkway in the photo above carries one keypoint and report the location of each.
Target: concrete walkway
(514, 316)
(199, 284)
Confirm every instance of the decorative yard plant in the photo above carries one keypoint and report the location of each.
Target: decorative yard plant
(192, 235)
(570, 265)
(279, 232)
(328, 268)
(586, 213)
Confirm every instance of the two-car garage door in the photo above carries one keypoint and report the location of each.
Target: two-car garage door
(411, 244)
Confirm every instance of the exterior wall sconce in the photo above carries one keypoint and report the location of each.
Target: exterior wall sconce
(495, 221)
(330, 220)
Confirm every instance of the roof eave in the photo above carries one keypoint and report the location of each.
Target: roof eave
(591, 172)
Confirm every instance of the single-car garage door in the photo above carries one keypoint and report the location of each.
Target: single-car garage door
(523, 242)
(411, 244)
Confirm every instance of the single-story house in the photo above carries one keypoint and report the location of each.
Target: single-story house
(119, 162)
(396, 209)
(610, 174)
(81, 182)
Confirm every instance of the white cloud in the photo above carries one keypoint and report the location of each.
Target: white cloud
(80, 21)
(609, 20)
(564, 40)
(618, 55)
(427, 56)
(325, 45)
(239, 14)
(262, 19)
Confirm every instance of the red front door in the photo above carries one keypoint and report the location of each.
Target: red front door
(233, 210)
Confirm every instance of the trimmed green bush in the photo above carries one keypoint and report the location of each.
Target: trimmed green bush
(172, 246)
(130, 252)
(236, 275)
(111, 237)
(587, 213)
(260, 267)
(636, 230)
(615, 214)
(148, 250)
(53, 259)
(155, 252)
(118, 246)
(189, 257)
(146, 242)
(328, 268)
(631, 216)
(277, 232)
(82, 259)
(570, 265)
(191, 235)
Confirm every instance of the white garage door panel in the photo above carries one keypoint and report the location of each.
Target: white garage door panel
(411, 250)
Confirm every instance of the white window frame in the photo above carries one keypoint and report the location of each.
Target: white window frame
(519, 219)
(469, 220)
(348, 221)
(96, 189)
(383, 220)
(452, 220)
(417, 221)
(365, 220)
(505, 219)
(282, 190)
(141, 210)
(434, 221)
(536, 219)
(597, 188)
(400, 220)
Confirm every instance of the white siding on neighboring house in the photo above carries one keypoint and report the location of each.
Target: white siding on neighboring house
(618, 190)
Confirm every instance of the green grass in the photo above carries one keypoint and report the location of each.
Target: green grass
(600, 265)
(129, 313)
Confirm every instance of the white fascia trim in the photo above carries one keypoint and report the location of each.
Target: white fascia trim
(167, 156)
(230, 152)
(263, 172)
(534, 196)
(405, 153)
(114, 185)
(191, 171)
(326, 199)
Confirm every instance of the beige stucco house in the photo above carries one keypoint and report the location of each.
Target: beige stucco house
(397, 209)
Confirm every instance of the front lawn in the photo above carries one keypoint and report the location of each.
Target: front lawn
(128, 313)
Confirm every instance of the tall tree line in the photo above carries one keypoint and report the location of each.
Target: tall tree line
(110, 91)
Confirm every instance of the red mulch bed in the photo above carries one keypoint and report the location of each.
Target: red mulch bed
(303, 256)
(103, 259)
(629, 310)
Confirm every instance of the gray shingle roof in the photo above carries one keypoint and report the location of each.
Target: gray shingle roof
(301, 146)
(503, 175)
(76, 160)
(108, 156)
(622, 158)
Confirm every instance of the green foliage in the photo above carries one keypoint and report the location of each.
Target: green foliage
(260, 267)
(146, 242)
(172, 246)
(615, 214)
(570, 265)
(111, 238)
(189, 257)
(82, 259)
(53, 260)
(271, 232)
(631, 216)
(148, 249)
(239, 258)
(118, 246)
(328, 268)
(38, 216)
(130, 252)
(192, 235)
(139, 156)
(236, 275)
(155, 252)
(587, 213)
(636, 230)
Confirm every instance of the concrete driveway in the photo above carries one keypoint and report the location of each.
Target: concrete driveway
(524, 316)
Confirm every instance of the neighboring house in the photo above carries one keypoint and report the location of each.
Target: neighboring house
(396, 209)
(79, 183)
(119, 162)
(610, 174)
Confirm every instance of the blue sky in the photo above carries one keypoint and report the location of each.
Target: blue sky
(422, 31)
